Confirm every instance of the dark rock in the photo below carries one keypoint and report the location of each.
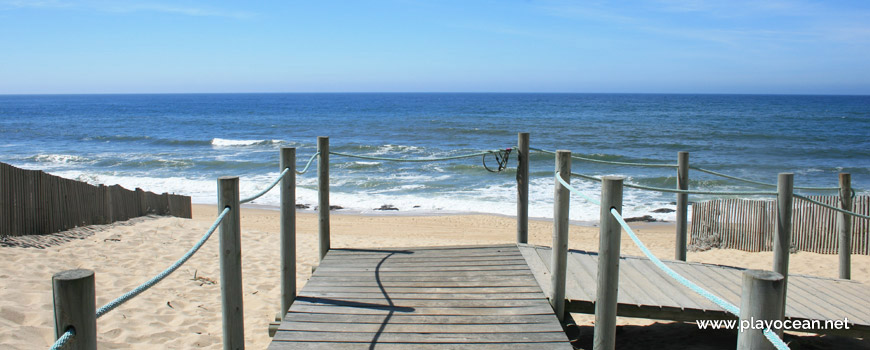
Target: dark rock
(664, 210)
(331, 207)
(416, 206)
(645, 218)
(387, 207)
(302, 206)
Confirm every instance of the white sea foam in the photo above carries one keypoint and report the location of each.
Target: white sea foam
(393, 149)
(219, 142)
(58, 158)
(495, 198)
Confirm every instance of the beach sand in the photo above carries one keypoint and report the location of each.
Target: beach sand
(183, 311)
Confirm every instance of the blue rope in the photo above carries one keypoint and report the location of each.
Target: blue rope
(771, 336)
(416, 159)
(711, 172)
(831, 207)
(150, 283)
(310, 160)
(572, 189)
(691, 285)
(660, 189)
(258, 195)
(774, 339)
(61, 341)
(649, 165)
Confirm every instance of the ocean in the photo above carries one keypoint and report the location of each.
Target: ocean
(181, 143)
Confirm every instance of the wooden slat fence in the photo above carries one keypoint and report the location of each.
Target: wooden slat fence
(749, 224)
(33, 202)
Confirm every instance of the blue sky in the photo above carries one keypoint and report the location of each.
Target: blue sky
(653, 46)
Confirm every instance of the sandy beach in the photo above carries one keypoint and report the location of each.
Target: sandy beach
(183, 311)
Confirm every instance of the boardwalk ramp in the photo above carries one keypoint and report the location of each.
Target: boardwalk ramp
(478, 297)
(647, 292)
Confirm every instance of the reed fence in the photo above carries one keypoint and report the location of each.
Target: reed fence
(33, 202)
(749, 225)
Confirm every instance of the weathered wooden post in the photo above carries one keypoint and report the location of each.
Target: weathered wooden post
(231, 264)
(610, 232)
(323, 194)
(782, 236)
(682, 205)
(523, 187)
(75, 307)
(559, 262)
(288, 229)
(844, 226)
(760, 300)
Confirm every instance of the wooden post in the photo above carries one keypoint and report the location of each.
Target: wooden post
(231, 264)
(288, 229)
(760, 300)
(523, 187)
(682, 205)
(844, 226)
(323, 194)
(610, 232)
(559, 262)
(782, 235)
(75, 307)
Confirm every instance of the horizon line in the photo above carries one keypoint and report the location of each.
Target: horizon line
(430, 92)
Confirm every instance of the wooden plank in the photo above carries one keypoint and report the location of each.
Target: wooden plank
(328, 268)
(356, 259)
(397, 296)
(425, 278)
(573, 288)
(440, 337)
(412, 318)
(673, 289)
(537, 266)
(488, 290)
(833, 305)
(421, 273)
(524, 282)
(587, 272)
(341, 327)
(279, 345)
(387, 303)
(540, 309)
(710, 281)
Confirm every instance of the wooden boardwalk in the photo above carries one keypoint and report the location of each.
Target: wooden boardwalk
(647, 292)
(482, 297)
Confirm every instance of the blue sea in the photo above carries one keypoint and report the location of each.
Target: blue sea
(180, 143)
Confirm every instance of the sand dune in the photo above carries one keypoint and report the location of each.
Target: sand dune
(183, 311)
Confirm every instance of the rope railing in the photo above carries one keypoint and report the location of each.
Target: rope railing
(61, 341)
(310, 160)
(576, 191)
(672, 190)
(761, 183)
(711, 172)
(267, 189)
(417, 160)
(150, 283)
(731, 308)
(592, 160)
(813, 201)
(66, 336)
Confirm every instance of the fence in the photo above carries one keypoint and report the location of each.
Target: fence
(749, 224)
(34, 203)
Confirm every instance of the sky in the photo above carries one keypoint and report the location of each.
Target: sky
(645, 46)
